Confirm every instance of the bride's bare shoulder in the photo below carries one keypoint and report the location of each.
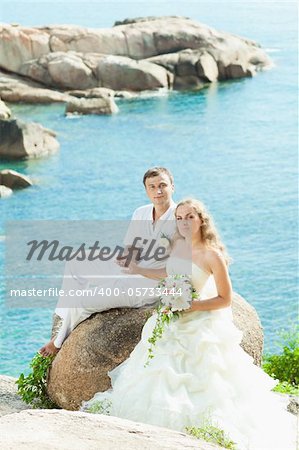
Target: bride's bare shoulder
(214, 256)
(177, 243)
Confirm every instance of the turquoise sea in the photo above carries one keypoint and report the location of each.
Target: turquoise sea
(233, 145)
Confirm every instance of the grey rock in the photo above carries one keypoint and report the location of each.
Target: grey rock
(10, 401)
(64, 430)
(293, 405)
(99, 105)
(121, 73)
(5, 112)
(67, 56)
(20, 140)
(14, 180)
(188, 82)
(5, 191)
(15, 89)
(98, 92)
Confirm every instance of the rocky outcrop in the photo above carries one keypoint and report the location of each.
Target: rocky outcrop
(96, 346)
(73, 70)
(20, 140)
(99, 105)
(140, 54)
(106, 339)
(16, 90)
(57, 430)
(10, 401)
(5, 191)
(14, 180)
(247, 320)
(5, 112)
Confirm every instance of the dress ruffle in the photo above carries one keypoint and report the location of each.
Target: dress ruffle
(199, 372)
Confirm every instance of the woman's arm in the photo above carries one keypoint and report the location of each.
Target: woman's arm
(135, 269)
(223, 284)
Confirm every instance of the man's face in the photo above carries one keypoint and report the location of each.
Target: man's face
(159, 189)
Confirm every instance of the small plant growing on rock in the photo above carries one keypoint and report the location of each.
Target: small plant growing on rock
(285, 365)
(99, 407)
(213, 434)
(32, 388)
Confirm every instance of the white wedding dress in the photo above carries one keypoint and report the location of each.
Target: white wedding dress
(199, 373)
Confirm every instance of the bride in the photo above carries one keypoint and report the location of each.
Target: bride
(199, 373)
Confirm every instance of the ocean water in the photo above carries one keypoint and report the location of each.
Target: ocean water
(233, 145)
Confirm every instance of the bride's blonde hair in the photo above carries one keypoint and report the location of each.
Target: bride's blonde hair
(209, 233)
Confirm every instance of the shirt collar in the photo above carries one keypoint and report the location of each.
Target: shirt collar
(171, 206)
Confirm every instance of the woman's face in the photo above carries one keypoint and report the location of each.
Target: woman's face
(188, 221)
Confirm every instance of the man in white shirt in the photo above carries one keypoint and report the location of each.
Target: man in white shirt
(152, 224)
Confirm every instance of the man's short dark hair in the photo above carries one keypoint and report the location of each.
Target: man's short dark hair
(155, 171)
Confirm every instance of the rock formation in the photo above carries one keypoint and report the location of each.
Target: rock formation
(20, 140)
(135, 55)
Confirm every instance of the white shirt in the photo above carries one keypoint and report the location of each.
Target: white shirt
(143, 226)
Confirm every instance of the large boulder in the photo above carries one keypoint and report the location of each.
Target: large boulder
(10, 401)
(106, 339)
(19, 44)
(5, 191)
(73, 70)
(99, 105)
(20, 140)
(64, 430)
(121, 73)
(14, 180)
(16, 90)
(5, 112)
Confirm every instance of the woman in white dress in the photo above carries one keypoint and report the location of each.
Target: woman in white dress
(199, 372)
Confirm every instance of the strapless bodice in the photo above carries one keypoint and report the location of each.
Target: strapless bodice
(176, 265)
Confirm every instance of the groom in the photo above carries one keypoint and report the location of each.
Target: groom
(150, 222)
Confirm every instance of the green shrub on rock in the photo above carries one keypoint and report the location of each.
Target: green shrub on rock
(33, 388)
(285, 365)
(213, 434)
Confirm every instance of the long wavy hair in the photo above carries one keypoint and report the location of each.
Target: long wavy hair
(209, 233)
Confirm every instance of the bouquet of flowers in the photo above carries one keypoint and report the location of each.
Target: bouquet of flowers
(176, 294)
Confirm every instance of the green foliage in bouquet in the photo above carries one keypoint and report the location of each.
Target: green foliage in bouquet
(164, 317)
(285, 365)
(32, 388)
(213, 434)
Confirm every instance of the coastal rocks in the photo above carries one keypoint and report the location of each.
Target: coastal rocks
(19, 44)
(14, 180)
(97, 92)
(190, 68)
(99, 105)
(20, 140)
(247, 320)
(61, 70)
(5, 112)
(16, 90)
(58, 430)
(106, 339)
(96, 346)
(188, 54)
(84, 71)
(10, 401)
(121, 73)
(5, 191)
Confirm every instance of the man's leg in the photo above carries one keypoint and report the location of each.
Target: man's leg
(119, 291)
